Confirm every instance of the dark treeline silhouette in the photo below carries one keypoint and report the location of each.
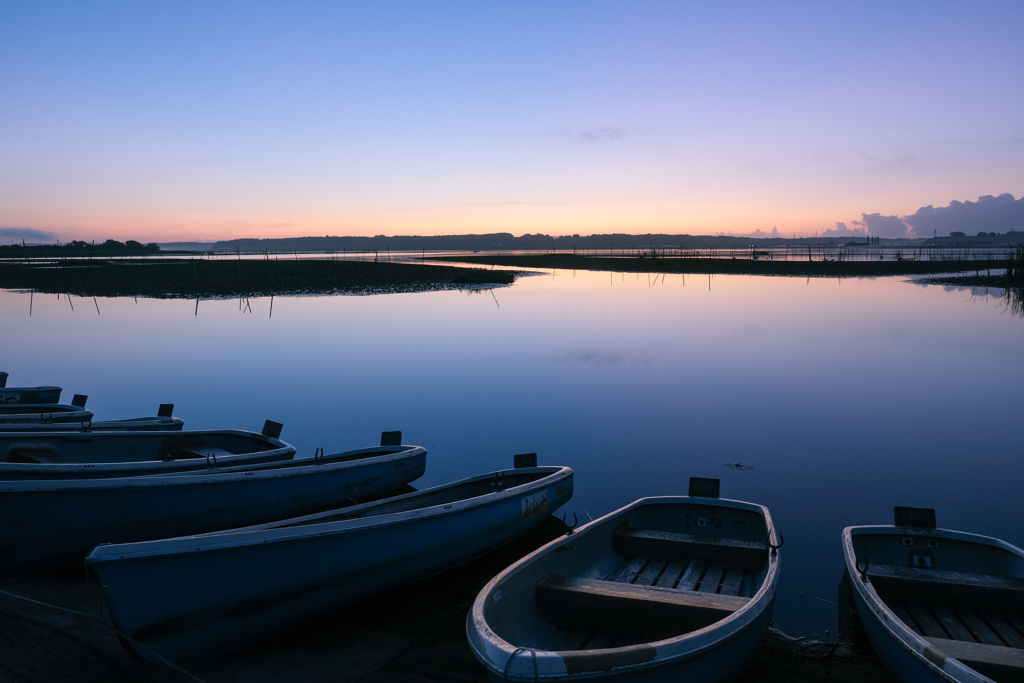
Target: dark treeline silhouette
(80, 248)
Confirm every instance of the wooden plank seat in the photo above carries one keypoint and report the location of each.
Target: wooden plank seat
(569, 602)
(996, 662)
(952, 587)
(750, 555)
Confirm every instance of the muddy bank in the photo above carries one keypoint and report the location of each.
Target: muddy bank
(722, 266)
(413, 633)
(192, 278)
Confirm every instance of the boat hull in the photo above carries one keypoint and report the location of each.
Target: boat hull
(908, 656)
(140, 424)
(46, 394)
(59, 521)
(259, 581)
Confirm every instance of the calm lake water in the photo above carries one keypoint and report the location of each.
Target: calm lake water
(846, 397)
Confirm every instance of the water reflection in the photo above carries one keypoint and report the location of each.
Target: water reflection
(843, 400)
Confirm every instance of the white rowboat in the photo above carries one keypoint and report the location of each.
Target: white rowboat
(674, 588)
(196, 596)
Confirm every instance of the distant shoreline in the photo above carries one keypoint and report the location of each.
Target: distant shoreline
(723, 266)
(230, 278)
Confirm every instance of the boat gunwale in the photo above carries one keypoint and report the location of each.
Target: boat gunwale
(894, 627)
(22, 428)
(761, 599)
(293, 529)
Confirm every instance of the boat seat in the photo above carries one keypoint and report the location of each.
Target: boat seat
(977, 589)
(567, 602)
(996, 662)
(750, 555)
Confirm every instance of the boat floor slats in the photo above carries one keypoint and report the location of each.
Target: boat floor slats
(925, 621)
(670, 577)
(601, 640)
(992, 655)
(709, 582)
(649, 575)
(978, 628)
(1016, 622)
(629, 571)
(1005, 630)
(691, 576)
(901, 612)
(732, 582)
(575, 639)
(951, 624)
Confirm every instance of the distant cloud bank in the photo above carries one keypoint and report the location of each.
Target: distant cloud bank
(989, 214)
(28, 234)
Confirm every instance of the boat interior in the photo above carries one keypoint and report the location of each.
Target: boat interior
(659, 571)
(90, 447)
(419, 500)
(966, 598)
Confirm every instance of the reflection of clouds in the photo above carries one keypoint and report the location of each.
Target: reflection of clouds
(604, 359)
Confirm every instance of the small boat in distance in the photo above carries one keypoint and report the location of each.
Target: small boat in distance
(938, 605)
(162, 422)
(47, 394)
(60, 520)
(192, 597)
(674, 588)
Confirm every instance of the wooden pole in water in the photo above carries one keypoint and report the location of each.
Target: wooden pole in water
(271, 306)
(30, 296)
(97, 305)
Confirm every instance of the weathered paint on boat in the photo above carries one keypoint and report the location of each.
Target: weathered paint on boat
(900, 638)
(63, 454)
(61, 520)
(136, 424)
(46, 394)
(297, 568)
(43, 413)
(516, 639)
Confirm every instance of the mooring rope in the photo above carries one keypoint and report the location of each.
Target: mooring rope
(164, 661)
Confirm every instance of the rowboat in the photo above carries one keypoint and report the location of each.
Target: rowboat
(54, 521)
(312, 564)
(135, 424)
(162, 422)
(45, 394)
(43, 413)
(673, 588)
(62, 454)
(938, 605)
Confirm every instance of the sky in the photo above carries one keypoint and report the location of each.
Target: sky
(215, 120)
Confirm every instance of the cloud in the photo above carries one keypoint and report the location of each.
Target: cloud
(757, 233)
(883, 226)
(841, 230)
(28, 234)
(599, 135)
(988, 214)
